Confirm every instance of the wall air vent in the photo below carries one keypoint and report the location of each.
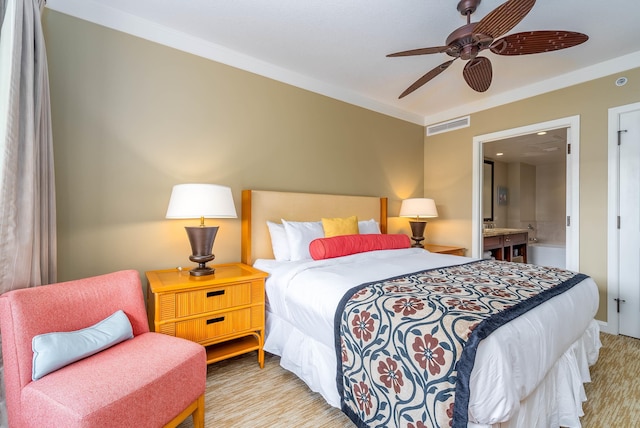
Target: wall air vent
(450, 125)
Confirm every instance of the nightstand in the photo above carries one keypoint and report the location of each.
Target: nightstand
(444, 249)
(224, 312)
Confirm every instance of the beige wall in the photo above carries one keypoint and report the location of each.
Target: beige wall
(521, 194)
(448, 164)
(551, 203)
(132, 118)
(501, 174)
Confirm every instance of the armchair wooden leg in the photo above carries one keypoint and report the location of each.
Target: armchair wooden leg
(198, 413)
(195, 409)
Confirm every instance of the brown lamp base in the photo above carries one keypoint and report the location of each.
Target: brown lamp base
(417, 229)
(202, 271)
(201, 240)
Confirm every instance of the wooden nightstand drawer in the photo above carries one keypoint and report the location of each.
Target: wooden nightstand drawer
(213, 299)
(212, 327)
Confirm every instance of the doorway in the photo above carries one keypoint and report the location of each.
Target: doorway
(623, 278)
(530, 186)
(572, 126)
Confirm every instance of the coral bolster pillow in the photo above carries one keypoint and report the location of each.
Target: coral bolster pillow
(338, 246)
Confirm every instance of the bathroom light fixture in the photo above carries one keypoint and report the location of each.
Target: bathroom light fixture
(201, 201)
(418, 208)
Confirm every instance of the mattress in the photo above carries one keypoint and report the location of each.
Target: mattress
(521, 360)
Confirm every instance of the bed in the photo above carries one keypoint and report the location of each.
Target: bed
(528, 372)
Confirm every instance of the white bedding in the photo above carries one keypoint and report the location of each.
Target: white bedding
(517, 367)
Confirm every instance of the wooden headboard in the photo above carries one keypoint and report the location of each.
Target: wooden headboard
(260, 206)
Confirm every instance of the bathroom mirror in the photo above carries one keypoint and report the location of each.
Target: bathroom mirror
(487, 191)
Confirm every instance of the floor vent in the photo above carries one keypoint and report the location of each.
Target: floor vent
(451, 125)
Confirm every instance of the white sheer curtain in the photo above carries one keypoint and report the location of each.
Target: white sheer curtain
(27, 192)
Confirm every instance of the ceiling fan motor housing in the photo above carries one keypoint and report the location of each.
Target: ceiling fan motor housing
(464, 43)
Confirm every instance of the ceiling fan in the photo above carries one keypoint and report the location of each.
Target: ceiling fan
(469, 40)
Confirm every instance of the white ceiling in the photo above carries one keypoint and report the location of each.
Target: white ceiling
(338, 48)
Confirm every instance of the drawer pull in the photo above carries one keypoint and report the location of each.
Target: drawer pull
(215, 293)
(215, 320)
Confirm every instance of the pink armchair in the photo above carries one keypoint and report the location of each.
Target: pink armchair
(150, 380)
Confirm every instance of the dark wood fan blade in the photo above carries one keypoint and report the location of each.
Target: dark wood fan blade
(503, 18)
(424, 79)
(533, 42)
(422, 51)
(478, 73)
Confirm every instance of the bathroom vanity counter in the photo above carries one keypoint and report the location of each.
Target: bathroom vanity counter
(503, 231)
(506, 244)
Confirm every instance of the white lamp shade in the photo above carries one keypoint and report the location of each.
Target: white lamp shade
(201, 200)
(418, 208)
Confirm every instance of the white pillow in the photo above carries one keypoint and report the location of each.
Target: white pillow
(52, 351)
(299, 235)
(279, 241)
(368, 227)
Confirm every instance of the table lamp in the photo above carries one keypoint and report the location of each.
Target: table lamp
(418, 208)
(201, 201)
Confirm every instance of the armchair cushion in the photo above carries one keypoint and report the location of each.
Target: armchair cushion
(137, 383)
(55, 350)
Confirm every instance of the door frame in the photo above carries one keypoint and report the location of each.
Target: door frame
(612, 325)
(572, 123)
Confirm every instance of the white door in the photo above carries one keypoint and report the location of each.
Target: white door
(629, 223)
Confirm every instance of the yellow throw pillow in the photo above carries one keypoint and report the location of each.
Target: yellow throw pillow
(340, 226)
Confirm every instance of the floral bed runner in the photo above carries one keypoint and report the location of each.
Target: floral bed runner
(406, 346)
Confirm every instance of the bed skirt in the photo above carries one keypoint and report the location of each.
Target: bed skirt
(556, 401)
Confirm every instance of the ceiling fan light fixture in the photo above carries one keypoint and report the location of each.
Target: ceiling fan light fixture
(469, 52)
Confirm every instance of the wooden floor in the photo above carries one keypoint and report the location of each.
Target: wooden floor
(613, 396)
(240, 394)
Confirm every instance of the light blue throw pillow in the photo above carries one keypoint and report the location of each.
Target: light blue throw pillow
(52, 351)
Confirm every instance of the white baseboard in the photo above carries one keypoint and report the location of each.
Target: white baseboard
(605, 328)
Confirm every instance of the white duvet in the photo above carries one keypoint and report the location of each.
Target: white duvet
(529, 371)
